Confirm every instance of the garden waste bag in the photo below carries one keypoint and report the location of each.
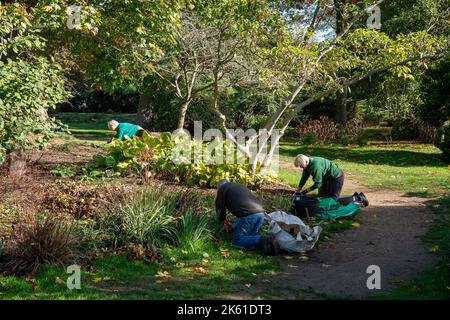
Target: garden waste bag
(291, 233)
(330, 209)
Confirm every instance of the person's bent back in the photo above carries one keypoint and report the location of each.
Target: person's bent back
(240, 201)
(125, 129)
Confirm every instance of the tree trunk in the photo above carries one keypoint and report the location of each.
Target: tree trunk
(182, 114)
(145, 112)
(340, 115)
(17, 163)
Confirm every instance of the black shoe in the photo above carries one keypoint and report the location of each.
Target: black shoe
(364, 200)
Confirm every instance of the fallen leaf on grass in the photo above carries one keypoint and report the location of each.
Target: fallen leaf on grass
(434, 248)
(254, 274)
(59, 281)
(224, 253)
(356, 225)
(30, 279)
(162, 274)
(248, 285)
(303, 258)
(198, 270)
(163, 280)
(180, 264)
(163, 277)
(97, 280)
(205, 261)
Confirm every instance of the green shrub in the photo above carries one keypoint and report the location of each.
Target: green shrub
(193, 231)
(147, 220)
(442, 140)
(154, 156)
(345, 139)
(62, 171)
(405, 129)
(361, 139)
(309, 138)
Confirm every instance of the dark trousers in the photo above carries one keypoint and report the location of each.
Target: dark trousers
(140, 133)
(332, 189)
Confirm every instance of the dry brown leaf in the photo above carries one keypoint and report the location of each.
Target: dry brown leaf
(303, 258)
(224, 253)
(59, 281)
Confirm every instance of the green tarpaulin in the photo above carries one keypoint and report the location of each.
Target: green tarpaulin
(330, 209)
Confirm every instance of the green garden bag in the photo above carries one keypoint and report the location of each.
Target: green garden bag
(330, 209)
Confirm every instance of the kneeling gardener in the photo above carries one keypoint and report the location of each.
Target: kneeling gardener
(328, 177)
(125, 129)
(239, 200)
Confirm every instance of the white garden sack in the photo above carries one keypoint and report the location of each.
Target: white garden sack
(301, 237)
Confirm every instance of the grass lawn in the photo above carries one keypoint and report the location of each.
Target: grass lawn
(212, 273)
(91, 128)
(411, 168)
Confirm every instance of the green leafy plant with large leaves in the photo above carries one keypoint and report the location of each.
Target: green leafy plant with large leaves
(172, 160)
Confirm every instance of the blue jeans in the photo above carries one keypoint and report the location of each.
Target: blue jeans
(245, 231)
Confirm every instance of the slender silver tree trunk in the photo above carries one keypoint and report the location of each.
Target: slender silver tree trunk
(182, 114)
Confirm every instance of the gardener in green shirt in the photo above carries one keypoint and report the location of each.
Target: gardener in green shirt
(327, 176)
(125, 129)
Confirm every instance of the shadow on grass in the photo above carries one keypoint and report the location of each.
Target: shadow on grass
(385, 154)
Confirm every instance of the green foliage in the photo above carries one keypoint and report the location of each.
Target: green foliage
(193, 231)
(176, 160)
(309, 138)
(29, 83)
(434, 88)
(405, 128)
(147, 220)
(442, 140)
(62, 171)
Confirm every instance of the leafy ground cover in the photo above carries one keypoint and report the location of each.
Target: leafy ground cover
(132, 270)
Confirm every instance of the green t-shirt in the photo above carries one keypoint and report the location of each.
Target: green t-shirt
(126, 129)
(321, 170)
